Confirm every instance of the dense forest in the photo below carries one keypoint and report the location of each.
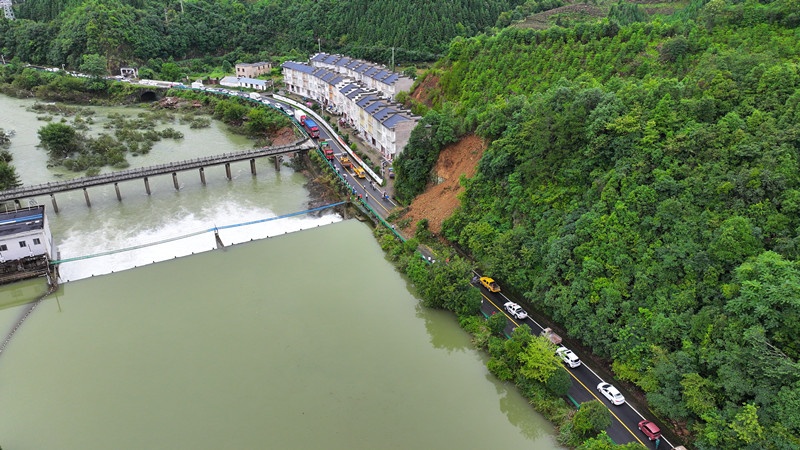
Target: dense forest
(134, 32)
(641, 187)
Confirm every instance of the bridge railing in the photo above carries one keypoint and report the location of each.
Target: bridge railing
(142, 172)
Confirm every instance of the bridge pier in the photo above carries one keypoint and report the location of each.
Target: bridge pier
(55, 205)
(203, 176)
(175, 181)
(144, 173)
(86, 195)
(277, 163)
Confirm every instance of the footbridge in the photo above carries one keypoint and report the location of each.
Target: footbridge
(144, 173)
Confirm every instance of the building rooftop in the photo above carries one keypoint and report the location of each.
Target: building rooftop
(21, 220)
(254, 81)
(395, 119)
(384, 113)
(373, 107)
(255, 64)
(375, 71)
(300, 67)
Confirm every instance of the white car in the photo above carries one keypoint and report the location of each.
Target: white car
(611, 393)
(569, 358)
(515, 310)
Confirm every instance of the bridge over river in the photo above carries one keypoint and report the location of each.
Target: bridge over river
(115, 177)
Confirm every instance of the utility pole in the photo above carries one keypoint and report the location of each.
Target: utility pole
(392, 59)
(319, 46)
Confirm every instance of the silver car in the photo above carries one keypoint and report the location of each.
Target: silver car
(611, 393)
(516, 310)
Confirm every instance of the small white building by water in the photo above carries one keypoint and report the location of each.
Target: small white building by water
(26, 245)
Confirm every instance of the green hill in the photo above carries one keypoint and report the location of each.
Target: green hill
(130, 32)
(642, 187)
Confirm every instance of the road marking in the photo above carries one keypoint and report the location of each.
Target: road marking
(609, 409)
(500, 309)
(572, 375)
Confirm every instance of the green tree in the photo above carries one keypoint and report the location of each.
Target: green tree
(539, 361)
(745, 425)
(496, 324)
(603, 442)
(592, 418)
(60, 140)
(171, 72)
(768, 289)
(8, 177)
(559, 382)
(94, 65)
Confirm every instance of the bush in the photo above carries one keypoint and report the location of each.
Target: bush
(500, 369)
(497, 324)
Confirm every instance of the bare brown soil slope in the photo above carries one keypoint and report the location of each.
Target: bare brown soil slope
(439, 201)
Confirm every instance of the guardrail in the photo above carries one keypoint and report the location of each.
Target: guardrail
(161, 169)
(332, 133)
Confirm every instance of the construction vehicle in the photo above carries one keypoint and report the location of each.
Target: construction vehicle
(359, 172)
(345, 161)
(549, 334)
(489, 284)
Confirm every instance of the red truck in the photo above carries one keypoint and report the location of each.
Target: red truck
(309, 124)
(311, 127)
(326, 150)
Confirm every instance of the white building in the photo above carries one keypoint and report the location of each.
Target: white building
(24, 233)
(383, 123)
(244, 82)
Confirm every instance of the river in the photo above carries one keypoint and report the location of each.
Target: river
(302, 340)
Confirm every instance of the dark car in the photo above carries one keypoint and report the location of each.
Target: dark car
(391, 172)
(650, 430)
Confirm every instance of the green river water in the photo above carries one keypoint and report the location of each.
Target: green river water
(303, 340)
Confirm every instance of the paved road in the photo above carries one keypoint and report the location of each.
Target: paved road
(625, 418)
(367, 188)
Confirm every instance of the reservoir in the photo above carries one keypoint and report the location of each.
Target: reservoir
(296, 339)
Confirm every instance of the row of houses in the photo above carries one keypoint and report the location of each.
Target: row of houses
(361, 93)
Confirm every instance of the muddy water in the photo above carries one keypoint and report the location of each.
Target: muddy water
(303, 340)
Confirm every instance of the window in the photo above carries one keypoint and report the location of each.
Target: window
(36, 241)
(22, 244)
(3, 247)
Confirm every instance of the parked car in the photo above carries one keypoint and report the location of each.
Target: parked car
(391, 172)
(515, 310)
(569, 358)
(611, 393)
(650, 430)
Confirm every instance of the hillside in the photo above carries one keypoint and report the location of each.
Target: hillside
(151, 33)
(640, 186)
(440, 200)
